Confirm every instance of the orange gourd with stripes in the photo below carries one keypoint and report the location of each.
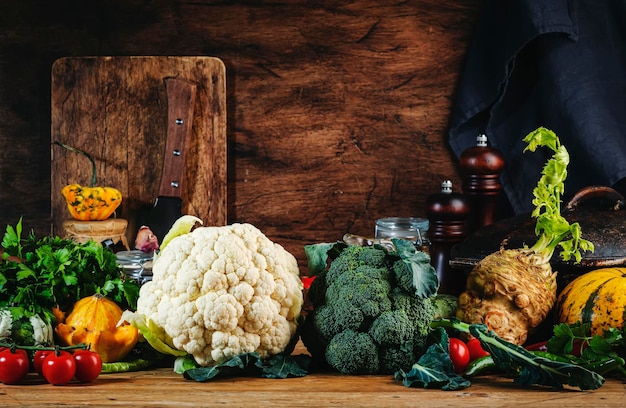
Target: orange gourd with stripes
(597, 297)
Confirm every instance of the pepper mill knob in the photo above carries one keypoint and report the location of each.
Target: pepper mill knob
(447, 213)
(481, 166)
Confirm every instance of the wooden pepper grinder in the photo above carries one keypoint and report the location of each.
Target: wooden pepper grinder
(447, 214)
(481, 166)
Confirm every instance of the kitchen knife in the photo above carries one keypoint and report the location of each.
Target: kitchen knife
(181, 96)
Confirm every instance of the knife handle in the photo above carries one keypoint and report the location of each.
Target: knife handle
(181, 97)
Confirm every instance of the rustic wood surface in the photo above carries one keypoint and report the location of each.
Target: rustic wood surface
(115, 108)
(164, 388)
(336, 111)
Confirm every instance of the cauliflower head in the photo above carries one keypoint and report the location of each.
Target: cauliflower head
(222, 291)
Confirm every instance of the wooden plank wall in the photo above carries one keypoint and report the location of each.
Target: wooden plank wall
(336, 110)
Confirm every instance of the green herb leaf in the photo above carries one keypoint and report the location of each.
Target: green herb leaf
(598, 353)
(39, 274)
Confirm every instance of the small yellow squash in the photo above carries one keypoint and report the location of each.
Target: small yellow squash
(91, 203)
(93, 321)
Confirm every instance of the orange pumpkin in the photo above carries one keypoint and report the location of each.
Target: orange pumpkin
(93, 321)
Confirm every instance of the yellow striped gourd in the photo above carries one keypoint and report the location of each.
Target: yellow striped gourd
(597, 297)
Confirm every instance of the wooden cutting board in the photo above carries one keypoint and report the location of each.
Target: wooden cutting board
(115, 108)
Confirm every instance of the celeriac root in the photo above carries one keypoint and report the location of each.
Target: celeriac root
(511, 291)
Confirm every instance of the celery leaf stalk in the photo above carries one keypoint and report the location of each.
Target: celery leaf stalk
(551, 227)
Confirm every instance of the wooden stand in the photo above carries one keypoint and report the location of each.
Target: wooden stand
(99, 231)
(447, 213)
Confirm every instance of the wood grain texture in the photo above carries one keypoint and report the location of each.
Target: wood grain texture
(115, 108)
(336, 111)
(164, 388)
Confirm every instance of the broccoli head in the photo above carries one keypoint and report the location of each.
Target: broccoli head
(367, 317)
(353, 352)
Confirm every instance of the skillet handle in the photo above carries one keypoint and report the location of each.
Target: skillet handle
(608, 194)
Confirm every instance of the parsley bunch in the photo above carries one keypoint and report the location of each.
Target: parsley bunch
(39, 274)
(603, 354)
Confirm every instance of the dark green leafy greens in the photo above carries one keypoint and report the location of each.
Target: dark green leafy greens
(39, 274)
(526, 368)
(434, 368)
(251, 365)
(600, 353)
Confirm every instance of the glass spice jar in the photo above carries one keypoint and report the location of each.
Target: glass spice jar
(411, 229)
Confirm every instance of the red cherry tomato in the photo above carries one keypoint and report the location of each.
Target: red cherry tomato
(14, 366)
(459, 354)
(38, 358)
(88, 365)
(59, 369)
(475, 349)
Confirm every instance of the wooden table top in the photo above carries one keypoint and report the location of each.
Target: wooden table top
(163, 387)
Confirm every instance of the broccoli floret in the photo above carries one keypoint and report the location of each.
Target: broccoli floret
(372, 256)
(394, 358)
(392, 327)
(361, 289)
(354, 256)
(403, 276)
(333, 318)
(420, 312)
(352, 352)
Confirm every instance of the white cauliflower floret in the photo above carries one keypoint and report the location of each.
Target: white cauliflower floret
(221, 291)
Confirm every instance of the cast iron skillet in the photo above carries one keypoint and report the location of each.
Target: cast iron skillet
(598, 209)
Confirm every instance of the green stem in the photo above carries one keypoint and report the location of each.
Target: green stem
(14, 346)
(87, 155)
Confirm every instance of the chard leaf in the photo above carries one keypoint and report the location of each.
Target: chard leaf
(526, 367)
(534, 369)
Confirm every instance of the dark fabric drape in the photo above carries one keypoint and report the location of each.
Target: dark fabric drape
(558, 64)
